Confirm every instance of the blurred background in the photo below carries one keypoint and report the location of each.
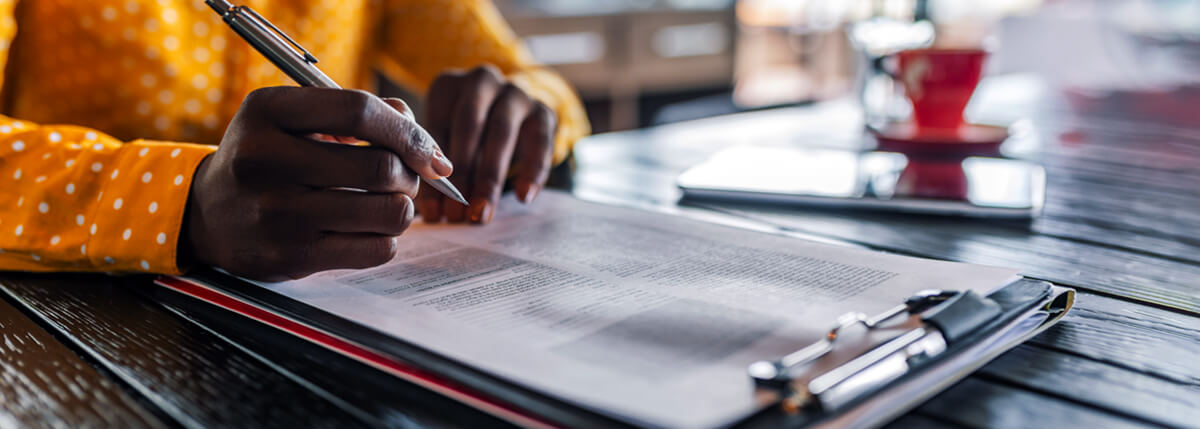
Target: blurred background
(644, 62)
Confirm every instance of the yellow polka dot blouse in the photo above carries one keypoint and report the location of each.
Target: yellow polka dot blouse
(136, 78)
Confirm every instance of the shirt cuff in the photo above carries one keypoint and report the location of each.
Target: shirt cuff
(136, 225)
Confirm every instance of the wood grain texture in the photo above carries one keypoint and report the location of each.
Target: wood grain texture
(977, 403)
(1082, 265)
(1153, 341)
(1122, 219)
(1156, 268)
(1118, 390)
(1122, 214)
(1124, 208)
(192, 375)
(45, 384)
(389, 401)
(1109, 354)
(1090, 265)
(916, 421)
(1126, 359)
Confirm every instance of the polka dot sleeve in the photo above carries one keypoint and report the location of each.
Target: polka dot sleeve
(75, 199)
(422, 38)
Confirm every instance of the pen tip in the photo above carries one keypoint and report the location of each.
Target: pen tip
(444, 186)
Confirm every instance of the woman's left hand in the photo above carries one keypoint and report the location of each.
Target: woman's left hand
(487, 126)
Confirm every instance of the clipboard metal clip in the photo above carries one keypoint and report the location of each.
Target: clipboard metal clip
(945, 315)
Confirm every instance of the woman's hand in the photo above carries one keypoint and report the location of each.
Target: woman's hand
(272, 203)
(487, 126)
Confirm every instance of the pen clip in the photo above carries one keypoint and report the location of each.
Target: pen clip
(305, 54)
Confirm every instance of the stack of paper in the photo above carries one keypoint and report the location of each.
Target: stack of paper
(645, 317)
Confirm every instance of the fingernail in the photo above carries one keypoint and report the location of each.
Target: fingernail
(531, 193)
(488, 212)
(480, 210)
(441, 165)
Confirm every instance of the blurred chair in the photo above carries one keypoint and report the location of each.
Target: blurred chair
(620, 51)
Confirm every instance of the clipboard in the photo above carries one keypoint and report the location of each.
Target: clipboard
(1017, 312)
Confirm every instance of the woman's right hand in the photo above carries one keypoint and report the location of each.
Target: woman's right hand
(273, 204)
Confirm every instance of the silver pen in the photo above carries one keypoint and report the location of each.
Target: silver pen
(282, 51)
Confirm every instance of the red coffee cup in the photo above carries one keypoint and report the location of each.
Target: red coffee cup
(939, 82)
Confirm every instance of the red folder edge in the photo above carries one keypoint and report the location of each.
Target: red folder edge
(351, 350)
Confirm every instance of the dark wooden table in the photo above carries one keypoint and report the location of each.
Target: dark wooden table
(1121, 225)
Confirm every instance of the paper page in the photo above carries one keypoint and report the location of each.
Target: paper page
(644, 316)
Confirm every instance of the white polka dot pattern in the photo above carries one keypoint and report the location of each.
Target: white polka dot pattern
(164, 70)
(60, 225)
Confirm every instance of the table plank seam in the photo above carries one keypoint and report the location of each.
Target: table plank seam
(1143, 252)
(1103, 158)
(178, 378)
(1112, 295)
(1039, 391)
(148, 405)
(899, 251)
(1115, 364)
(123, 377)
(340, 403)
(941, 419)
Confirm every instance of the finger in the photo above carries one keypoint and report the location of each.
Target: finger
(343, 251)
(428, 199)
(355, 212)
(439, 106)
(500, 139)
(429, 204)
(439, 103)
(535, 150)
(481, 86)
(400, 106)
(477, 90)
(331, 165)
(355, 114)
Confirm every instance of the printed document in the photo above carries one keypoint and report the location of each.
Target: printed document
(647, 317)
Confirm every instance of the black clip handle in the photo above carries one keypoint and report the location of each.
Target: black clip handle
(961, 314)
(954, 314)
